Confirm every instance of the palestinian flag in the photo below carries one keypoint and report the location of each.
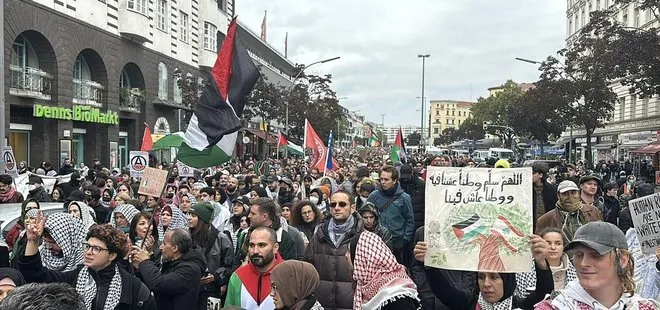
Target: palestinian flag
(211, 136)
(470, 229)
(374, 141)
(283, 142)
(398, 152)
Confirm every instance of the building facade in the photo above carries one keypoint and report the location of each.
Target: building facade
(636, 121)
(84, 77)
(447, 114)
(390, 132)
(352, 126)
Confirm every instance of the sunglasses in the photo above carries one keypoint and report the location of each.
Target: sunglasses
(342, 204)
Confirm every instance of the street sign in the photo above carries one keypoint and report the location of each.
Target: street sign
(138, 162)
(9, 162)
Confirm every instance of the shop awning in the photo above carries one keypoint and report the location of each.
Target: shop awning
(648, 149)
(263, 135)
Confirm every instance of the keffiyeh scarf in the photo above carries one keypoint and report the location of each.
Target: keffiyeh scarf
(128, 210)
(67, 231)
(8, 195)
(380, 279)
(87, 288)
(179, 220)
(85, 214)
(482, 304)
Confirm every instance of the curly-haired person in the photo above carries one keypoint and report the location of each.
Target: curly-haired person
(100, 281)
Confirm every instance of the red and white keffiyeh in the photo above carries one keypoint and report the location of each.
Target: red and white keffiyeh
(380, 278)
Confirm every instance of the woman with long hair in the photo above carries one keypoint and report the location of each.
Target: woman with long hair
(305, 217)
(171, 217)
(81, 211)
(239, 209)
(218, 251)
(141, 232)
(19, 227)
(605, 271)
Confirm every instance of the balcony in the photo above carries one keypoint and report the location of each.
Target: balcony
(30, 82)
(131, 99)
(133, 24)
(87, 92)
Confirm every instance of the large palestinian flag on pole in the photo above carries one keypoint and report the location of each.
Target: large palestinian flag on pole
(398, 152)
(212, 132)
(284, 142)
(374, 140)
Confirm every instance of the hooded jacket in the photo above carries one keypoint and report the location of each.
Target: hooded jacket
(575, 297)
(219, 260)
(398, 218)
(250, 289)
(39, 194)
(378, 229)
(176, 285)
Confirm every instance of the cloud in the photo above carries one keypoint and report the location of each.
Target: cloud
(472, 44)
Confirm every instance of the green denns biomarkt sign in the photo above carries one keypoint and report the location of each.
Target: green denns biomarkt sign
(81, 113)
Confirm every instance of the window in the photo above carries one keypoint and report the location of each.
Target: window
(447, 112)
(124, 81)
(210, 37)
(139, 6)
(161, 15)
(435, 130)
(570, 26)
(598, 5)
(183, 32)
(583, 19)
(162, 81)
(633, 107)
(453, 113)
(622, 107)
(638, 22)
(222, 5)
(177, 90)
(624, 19)
(437, 112)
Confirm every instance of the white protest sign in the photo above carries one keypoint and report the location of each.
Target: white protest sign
(49, 182)
(645, 213)
(138, 162)
(184, 170)
(478, 219)
(9, 162)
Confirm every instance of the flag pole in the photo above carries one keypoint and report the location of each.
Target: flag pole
(157, 208)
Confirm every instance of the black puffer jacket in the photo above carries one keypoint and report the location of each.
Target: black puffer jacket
(134, 294)
(336, 287)
(415, 189)
(176, 285)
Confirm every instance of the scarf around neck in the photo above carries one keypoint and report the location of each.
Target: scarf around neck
(337, 232)
(506, 304)
(380, 279)
(570, 220)
(8, 195)
(87, 288)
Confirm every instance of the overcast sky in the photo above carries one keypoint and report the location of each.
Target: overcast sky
(472, 44)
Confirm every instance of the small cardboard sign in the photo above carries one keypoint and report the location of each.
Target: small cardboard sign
(153, 181)
(9, 161)
(139, 161)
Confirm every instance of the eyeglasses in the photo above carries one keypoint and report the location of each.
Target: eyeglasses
(95, 249)
(342, 204)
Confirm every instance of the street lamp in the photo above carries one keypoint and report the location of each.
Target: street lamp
(286, 125)
(570, 142)
(382, 129)
(421, 140)
(423, 57)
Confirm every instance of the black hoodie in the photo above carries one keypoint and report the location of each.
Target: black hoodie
(176, 285)
(378, 229)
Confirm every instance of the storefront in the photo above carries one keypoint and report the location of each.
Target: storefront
(605, 149)
(634, 140)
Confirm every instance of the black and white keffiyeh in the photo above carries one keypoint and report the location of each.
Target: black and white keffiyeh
(85, 214)
(68, 233)
(179, 220)
(128, 210)
(86, 287)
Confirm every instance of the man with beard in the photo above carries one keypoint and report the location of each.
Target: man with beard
(273, 183)
(254, 278)
(232, 189)
(285, 192)
(570, 212)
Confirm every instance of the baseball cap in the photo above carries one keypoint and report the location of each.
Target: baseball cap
(287, 181)
(272, 178)
(242, 200)
(600, 236)
(567, 185)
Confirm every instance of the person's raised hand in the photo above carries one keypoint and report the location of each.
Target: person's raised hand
(539, 249)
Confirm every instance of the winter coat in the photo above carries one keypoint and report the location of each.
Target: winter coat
(398, 217)
(625, 220)
(176, 285)
(415, 189)
(611, 209)
(134, 294)
(378, 229)
(219, 260)
(39, 194)
(336, 288)
(549, 194)
(549, 219)
(417, 274)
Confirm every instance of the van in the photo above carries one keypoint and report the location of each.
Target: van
(500, 153)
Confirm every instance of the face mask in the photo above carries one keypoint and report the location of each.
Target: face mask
(314, 200)
(106, 199)
(31, 187)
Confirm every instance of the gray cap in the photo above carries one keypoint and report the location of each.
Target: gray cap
(602, 237)
(567, 185)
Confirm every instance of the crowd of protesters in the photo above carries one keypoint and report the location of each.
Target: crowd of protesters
(276, 234)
